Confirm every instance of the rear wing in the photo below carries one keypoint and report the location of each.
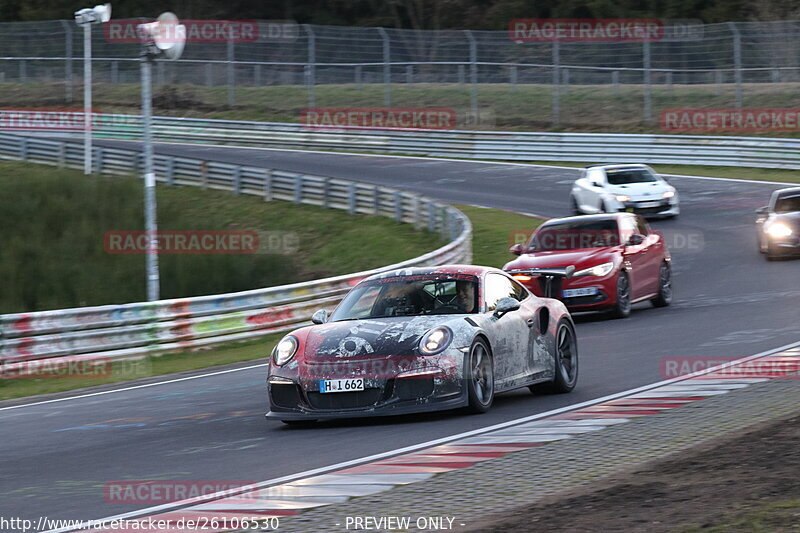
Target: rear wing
(549, 274)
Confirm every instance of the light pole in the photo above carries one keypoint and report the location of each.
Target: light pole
(164, 38)
(86, 17)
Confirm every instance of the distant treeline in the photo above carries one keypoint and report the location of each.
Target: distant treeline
(416, 14)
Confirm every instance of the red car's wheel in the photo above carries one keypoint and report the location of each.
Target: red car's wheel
(622, 307)
(664, 297)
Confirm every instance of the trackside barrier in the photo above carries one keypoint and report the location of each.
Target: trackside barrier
(139, 329)
(496, 145)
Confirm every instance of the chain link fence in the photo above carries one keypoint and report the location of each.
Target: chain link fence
(486, 75)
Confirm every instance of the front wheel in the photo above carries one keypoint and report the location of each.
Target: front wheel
(574, 206)
(566, 362)
(622, 307)
(480, 377)
(664, 296)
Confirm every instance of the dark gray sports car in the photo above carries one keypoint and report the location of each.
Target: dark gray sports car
(778, 224)
(423, 339)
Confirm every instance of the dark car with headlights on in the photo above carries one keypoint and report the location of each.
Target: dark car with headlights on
(778, 224)
(423, 339)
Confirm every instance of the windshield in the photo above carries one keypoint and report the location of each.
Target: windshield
(576, 235)
(630, 175)
(410, 296)
(788, 204)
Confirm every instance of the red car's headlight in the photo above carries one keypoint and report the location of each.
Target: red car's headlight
(285, 350)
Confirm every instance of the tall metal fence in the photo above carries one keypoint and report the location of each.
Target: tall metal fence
(733, 60)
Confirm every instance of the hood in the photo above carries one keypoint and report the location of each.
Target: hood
(379, 338)
(641, 191)
(583, 258)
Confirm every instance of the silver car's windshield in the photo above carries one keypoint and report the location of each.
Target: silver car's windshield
(410, 296)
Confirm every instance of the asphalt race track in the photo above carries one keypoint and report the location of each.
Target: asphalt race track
(730, 302)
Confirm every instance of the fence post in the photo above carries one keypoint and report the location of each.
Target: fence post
(461, 76)
(376, 200)
(326, 185)
(358, 76)
(23, 71)
(23, 149)
(204, 174)
(311, 66)
(556, 88)
(209, 79)
(257, 75)
(98, 158)
(387, 68)
(268, 185)
(646, 72)
(67, 60)
(352, 200)
(737, 62)
(565, 80)
(160, 73)
(513, 75)
(62, 155)
(669, 81)
(615, 82)
(473, 75)
(231, 74)
(115, 72)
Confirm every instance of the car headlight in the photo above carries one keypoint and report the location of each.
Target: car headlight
(779, 230)
(285, 350)
(435, 341)
(622, 198)
(599, 270)
(668, 194)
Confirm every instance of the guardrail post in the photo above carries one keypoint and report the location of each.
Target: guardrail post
(326, 185)
(311, 66)
(358, 76)
(398, 206)
(615, 82)
(209, 74)
(98, 158)
(23, 71)
(668, 75)
(204, 174)
(737, 62)
(387, 67)
(556, 88)
(67, 60)
(298, 189)
(115, 72)
(257, 75)
(646, 72)
(171, 171)
(62, 154)
(231, 74)
(268, 185)
(237, 180)
(352, 198)
(23, 149)
(461, 76)
(565, 80)
(376, 200)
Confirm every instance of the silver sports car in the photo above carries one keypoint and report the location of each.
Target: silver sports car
(423, 339)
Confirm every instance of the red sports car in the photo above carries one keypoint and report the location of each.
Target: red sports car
(611, 261)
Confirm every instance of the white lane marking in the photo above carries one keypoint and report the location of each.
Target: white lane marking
(444, 440)
(455, 160)
(91, 394)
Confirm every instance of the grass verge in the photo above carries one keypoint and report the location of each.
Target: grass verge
(490, 247)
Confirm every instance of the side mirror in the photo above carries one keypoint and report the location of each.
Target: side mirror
(635, 240)
(517, 249)
(762, 211)
(319, 317)
(597, 184)
(505, 305)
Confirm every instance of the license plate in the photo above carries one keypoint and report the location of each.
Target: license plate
(586, 291)
(341, 385)
(649, 204)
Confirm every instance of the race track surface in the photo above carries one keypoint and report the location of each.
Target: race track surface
(729, 302)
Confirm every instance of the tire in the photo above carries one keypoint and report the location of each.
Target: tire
(664, 297)
(479, 376)
(622, 307)
(566, 364)
(573, 204)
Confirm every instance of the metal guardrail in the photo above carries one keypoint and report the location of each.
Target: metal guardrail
(138, 329)
(493, 145)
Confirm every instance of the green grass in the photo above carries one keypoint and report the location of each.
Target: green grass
(527, 108)
(54, 223)
(492, 228)
(764, 518)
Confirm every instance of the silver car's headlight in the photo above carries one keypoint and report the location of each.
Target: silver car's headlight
(668, 194)
(285, 350)
(622, 198)
(598, 270)
(435, 341)
(779, 229)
